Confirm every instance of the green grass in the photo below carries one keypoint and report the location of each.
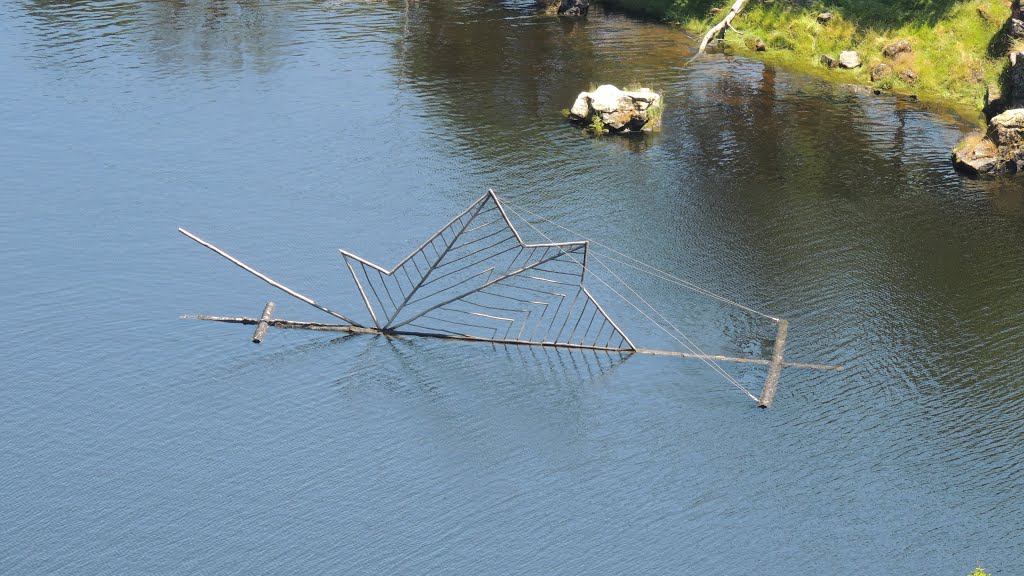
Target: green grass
(654, 114)
(958, 47)
(969, 141)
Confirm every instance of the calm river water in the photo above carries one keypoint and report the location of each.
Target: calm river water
(133, 442)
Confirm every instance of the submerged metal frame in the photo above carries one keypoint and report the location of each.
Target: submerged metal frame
(395, 324)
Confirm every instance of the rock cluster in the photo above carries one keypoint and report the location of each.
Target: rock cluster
(850, 59)
(896, 48)
(565, 7)
(1001, 148)
(609, 109)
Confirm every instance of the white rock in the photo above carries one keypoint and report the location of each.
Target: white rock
(608, 98)
(849, 59)
(580, 108)
(1009, 128)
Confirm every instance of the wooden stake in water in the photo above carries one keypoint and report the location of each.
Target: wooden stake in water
(771, 384)
(261, 327)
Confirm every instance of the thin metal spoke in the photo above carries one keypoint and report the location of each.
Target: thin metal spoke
(470, 265)
(447, 288)
(374, 290)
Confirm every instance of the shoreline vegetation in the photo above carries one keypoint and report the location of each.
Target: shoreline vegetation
(957, 49)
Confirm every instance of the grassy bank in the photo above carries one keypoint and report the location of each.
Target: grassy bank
(958, 47)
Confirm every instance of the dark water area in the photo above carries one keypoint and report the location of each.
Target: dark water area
(134, 442)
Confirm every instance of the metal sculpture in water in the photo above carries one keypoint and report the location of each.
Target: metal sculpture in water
(476, 279)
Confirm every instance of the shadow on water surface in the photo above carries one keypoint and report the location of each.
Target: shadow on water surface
(176, 36)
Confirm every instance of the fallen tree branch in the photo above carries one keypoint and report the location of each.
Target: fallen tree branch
(721, 26)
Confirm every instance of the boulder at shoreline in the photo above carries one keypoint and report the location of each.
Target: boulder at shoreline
(1001, 148)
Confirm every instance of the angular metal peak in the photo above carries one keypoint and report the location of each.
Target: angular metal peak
(476, 277)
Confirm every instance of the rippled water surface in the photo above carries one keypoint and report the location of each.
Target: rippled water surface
(135, 442)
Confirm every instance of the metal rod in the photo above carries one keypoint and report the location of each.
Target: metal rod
(362, 292)
(579, 319)
(473, 291)
(609, 318)
(589, 325)
(771, 384)
(482, 226)
(386, 289)
(432, 265)
(480, 239)
(487, 271)
(266, 278)
(317, 326)
(497, 202)
(376, 296)
(518, 254)
(470, 265)
(568, 314)
(262, 326)
(475, 252)
(431, 239)
(494, 331)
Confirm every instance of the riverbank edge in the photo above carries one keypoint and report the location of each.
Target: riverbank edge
(951, 59)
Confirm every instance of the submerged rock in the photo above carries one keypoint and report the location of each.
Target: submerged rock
(549, 6)
(1001, 150)
(976, 157)
(609, 109)
(856, 88)
(849, 59)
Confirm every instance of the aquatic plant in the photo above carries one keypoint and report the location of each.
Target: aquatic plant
(654, 114)
(979, 571)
